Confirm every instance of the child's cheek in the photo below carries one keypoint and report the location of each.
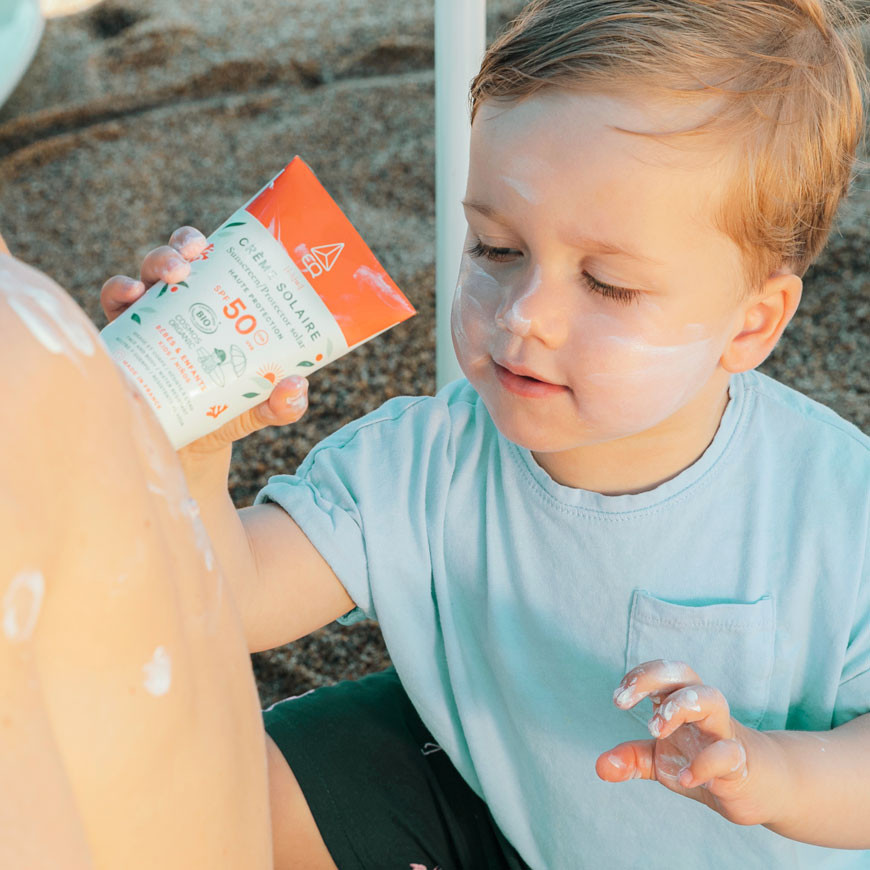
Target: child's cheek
(627, 381)
(473, 315)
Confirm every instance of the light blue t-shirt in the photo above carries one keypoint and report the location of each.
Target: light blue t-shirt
(512, 605)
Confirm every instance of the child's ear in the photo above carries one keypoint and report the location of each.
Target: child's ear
(765, 315)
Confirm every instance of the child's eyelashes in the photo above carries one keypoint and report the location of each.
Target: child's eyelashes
(621, 295)
(499, 255)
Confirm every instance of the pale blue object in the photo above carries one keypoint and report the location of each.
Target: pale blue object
(460, 42)
(21, 26)
(511, 606)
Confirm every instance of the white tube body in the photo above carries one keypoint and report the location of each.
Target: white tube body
(460, 41)
(204, 350)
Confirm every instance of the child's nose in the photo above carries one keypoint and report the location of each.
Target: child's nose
(537, 309)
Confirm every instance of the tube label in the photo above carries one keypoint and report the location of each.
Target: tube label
(263, 301)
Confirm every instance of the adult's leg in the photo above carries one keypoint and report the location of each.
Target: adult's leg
(131, 730)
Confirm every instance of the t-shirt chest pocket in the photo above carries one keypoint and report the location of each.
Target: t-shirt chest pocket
(730, 646)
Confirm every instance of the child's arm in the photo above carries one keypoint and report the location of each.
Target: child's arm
(805, 785)
(283, 587)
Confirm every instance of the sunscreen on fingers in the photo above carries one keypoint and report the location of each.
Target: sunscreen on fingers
(284, 286)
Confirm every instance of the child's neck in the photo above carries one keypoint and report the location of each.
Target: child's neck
(641, 462)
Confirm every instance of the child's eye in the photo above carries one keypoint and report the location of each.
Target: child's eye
(499, 255)
(622, 295)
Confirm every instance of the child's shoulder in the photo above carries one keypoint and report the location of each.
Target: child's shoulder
(797, 438)
(456, 408)
(801, 417)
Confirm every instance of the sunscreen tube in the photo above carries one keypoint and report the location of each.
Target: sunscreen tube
(284, 286)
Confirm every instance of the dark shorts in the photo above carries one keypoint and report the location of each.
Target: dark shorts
(382, 792)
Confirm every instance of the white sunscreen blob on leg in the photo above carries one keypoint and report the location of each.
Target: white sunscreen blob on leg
(21, 604)
(191, 510)
(158, 672)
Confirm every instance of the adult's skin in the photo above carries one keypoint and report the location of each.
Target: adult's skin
(130, 724)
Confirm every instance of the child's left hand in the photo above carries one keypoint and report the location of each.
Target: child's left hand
(699, 750)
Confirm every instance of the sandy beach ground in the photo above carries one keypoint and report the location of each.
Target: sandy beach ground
(138, 117)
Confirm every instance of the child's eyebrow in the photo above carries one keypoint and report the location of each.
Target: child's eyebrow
(578, 241)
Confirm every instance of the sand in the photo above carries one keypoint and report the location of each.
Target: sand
(138, 117)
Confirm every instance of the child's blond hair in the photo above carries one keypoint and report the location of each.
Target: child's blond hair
(790, 78)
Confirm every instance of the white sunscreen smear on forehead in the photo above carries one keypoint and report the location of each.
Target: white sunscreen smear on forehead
(158, 672)
(525, 175)
(521, 187)
(21, 604)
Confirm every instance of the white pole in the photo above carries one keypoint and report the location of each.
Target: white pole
(460, 41)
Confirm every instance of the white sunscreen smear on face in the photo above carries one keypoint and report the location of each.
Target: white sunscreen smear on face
(471, 316)
(513, 320)
(521, 187)
(526, 174)
(158, 672)
(21, 604)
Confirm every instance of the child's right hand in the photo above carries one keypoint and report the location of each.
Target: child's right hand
(287, 402)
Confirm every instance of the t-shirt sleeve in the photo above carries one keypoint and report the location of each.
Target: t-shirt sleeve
(853, 695)
(359, 499)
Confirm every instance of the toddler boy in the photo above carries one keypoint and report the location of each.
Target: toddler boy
(612, 498)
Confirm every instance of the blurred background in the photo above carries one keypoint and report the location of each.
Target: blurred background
(138, 116)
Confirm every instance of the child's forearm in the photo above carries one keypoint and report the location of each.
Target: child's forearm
(826, 800)
(283, 588)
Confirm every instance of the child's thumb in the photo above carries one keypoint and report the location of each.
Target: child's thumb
(286, 404)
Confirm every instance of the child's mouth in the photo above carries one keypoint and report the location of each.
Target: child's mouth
(526, 385)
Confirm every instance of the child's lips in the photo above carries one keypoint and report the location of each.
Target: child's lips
(522, 382)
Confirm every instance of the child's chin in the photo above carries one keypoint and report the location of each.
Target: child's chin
(531, 439)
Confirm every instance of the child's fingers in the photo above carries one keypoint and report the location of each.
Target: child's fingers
(287, 402)
(188, 241)
(164, 264)
(702, 704)
(118, 294)
(167, 263)
(725, 759)
(631, 760)
(652, 678)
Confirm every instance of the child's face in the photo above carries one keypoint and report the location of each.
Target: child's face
(592, 270)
